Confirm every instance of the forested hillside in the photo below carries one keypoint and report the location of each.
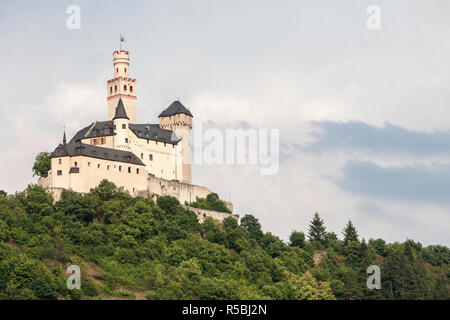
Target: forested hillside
(133, 248)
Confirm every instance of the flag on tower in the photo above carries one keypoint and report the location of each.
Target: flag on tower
(122, 39)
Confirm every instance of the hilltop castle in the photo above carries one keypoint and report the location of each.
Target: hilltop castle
(145, 159)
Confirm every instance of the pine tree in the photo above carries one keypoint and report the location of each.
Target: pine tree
(350, 233)
(317, 231)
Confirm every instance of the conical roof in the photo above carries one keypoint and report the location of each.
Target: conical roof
(175, 108)
(120, 111)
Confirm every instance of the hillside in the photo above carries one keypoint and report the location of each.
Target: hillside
(133, 248)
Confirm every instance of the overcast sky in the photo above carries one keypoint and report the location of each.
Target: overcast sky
(364, 115)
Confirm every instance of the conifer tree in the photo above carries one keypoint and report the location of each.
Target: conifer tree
(350, 233)
(317, 231)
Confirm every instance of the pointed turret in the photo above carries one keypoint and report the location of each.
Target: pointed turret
(64, 137)
(121, 123)
(120, 111)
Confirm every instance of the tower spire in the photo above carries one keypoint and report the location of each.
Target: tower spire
(64, 136)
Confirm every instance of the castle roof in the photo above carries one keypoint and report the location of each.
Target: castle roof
(95, 129)
(143, 131)
(120, 111)
(81, 149)
(153, 132)
(175, 108)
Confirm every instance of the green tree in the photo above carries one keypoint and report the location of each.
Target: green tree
(42, 164)
(253, 226)
(317, 231)
(297, 239)
(350, 233)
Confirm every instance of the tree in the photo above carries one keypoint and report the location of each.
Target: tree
(379, 245)
(317, 231)
(3, 193)
(350, 233)
(297, 239)
(211, 202)
(253, 226)
(42, 165)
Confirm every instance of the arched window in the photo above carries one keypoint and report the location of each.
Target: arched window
(131, 88)
(129, 169)
(110, 90)
(117, 70)
(125, 69)
(125, 87)
(115, 88)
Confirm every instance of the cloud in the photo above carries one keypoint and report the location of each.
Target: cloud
(389, 139)
(423, 183)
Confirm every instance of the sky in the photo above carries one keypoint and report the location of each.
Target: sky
(363, 114)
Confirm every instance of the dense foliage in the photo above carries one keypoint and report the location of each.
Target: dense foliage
(41, 165)
(135, 248)
(211, 202)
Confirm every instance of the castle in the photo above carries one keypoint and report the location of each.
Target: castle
(145, 159)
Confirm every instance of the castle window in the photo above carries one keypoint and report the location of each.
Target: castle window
(110, 90)
(76, 164)
(150, 157)
(129, 169)
(131, 88)
(125, 87)
(120, 168)
(89, 164)
(117, 69)
(142, 156)
(148, 141)
(98, 166)
(125, 69)
(59, 161)
(124, 126)
(164, 144)
(115, 127)
(107, 167)
(137, 170)
(115, 89)
(59, 172)
(126, 140)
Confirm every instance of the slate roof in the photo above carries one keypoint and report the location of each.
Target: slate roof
(95, 129)
(153, 132)
(120, 111)
(175, 108)
(81, 149)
